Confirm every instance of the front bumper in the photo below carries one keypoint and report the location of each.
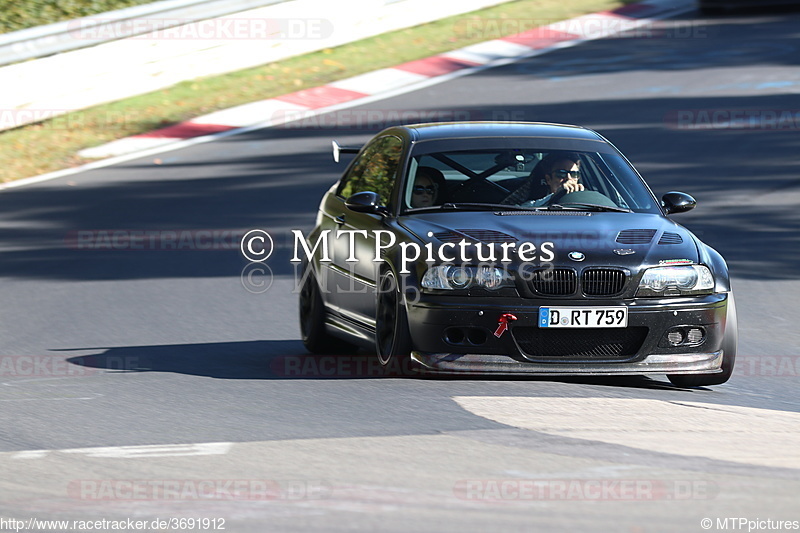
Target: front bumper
(641, 348)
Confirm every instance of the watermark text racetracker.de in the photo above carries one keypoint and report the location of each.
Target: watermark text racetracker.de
(53, 119)
(609, 490)
(154, 240)
(56, 366)
(734, 119)
(547, 30)
(197, 489)
(218, 29)
(341, 366)
(370, 119)
(768, 366)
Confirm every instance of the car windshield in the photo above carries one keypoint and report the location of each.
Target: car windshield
(525, 179)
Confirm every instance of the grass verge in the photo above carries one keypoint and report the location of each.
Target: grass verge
(53, 144)
(21, 14)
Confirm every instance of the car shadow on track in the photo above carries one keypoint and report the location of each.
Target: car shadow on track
(288, 360)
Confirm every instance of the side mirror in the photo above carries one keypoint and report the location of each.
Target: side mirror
(366, 202)
(677, 202)
(338, 150)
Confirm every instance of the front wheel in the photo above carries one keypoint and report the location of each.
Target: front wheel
(730, 341)
(392, 337)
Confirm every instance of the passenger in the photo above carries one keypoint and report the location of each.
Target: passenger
(428, 185)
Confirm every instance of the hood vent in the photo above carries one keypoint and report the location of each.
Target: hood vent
(636, 236)
(481, 235)
(670, 238)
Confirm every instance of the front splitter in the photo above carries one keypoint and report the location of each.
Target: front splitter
(692, 363)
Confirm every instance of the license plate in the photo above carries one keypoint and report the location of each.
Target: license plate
(583, 317)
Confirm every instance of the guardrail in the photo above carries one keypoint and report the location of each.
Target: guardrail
(50, 39)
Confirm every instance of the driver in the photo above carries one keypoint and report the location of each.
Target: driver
(558, 173)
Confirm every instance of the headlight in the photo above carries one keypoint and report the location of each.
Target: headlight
(454, 277)
(681, 280)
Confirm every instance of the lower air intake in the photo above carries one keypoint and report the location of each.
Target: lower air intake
(579, 343)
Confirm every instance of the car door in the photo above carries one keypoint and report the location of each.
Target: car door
(353, 269)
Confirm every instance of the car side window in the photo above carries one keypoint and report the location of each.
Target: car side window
(375, 169)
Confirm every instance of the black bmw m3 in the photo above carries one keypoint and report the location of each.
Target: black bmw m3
(512, 248)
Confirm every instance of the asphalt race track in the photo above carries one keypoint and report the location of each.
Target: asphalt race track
(143, 382)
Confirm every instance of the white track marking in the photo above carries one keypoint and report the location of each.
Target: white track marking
(135, 452)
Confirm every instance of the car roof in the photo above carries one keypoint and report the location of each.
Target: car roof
(467, 130)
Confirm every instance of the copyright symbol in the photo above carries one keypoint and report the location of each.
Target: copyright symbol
(256, 278)
(256, 245)
(706, 523)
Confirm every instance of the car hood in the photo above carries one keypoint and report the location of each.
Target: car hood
(627, 240)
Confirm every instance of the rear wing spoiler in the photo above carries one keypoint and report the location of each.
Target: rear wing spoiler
(338, 149)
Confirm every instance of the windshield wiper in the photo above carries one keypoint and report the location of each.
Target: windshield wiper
(591, 207)
(489, 207)
(466, 206)
(470, 206)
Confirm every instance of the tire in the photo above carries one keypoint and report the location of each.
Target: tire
(315, 337)
(392, 337)
(730, 341)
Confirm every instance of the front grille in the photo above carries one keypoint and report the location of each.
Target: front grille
(590, 343)
(554, 282)
(602, 281)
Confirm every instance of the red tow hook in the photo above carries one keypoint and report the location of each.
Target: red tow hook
(502, 324)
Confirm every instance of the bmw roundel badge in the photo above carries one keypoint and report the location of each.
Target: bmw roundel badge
(576, 256)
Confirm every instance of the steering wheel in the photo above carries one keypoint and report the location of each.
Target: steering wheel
(581, 197)
(556, 198)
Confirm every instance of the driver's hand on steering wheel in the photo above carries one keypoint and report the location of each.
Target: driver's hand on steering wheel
(572, 186)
